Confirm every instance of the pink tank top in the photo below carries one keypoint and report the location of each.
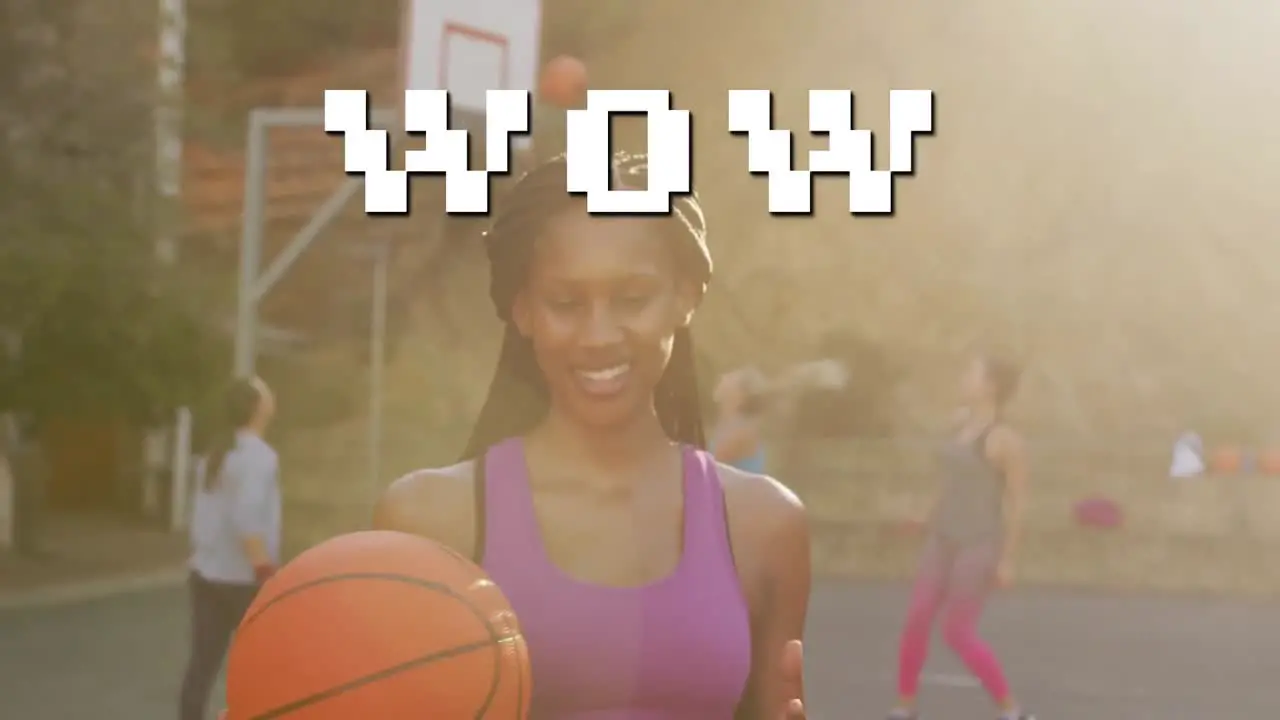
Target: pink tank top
(676, 649)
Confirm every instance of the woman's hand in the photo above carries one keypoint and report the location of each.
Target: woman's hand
(793, 677)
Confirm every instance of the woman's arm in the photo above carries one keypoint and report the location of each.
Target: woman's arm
(813, 375)
(1011, 458)
(251, 511)
(786, 609)
(436, 504)
(770, 529)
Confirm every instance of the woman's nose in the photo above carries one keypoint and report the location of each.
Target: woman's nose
(602, 326)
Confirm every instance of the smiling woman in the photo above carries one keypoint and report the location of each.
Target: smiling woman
(650, 581)
(575, 256)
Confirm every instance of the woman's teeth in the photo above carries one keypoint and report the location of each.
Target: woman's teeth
(604, 381)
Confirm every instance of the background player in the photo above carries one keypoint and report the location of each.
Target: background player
(235, 534)
(972, 538)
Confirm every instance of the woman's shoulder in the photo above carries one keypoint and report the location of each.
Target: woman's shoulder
(768, 531)
(434, 480)
(433, 502)
(255, 449)
(761, 504)
(1003, 442)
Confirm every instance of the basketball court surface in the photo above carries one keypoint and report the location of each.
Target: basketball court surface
(1074, 656)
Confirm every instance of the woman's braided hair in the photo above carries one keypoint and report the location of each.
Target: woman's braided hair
(518, 397)
(240, 403)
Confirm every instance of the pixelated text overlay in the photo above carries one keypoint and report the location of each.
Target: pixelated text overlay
(769, 149)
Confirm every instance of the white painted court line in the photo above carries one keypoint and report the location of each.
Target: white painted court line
(77, 592)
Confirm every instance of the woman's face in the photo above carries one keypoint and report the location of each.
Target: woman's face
(601, 307)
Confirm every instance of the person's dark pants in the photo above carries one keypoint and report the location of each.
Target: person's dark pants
(216, 609)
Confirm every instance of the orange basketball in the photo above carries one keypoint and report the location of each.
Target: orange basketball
(563, 82)
(1226, 460)
(1269, 462)
(378, 625)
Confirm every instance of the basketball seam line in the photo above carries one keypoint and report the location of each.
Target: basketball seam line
(374, 677)
(494, 639)
(390, 577)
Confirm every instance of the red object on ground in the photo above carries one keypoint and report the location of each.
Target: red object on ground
(1100, 513)
(1269, 462)
(909, 528)
(1226, 460)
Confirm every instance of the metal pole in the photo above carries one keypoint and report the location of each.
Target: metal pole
(382, 118)
(331, 209)
(8, 483)
(255, 182)
(170, 75)
(254, 283)
(377, 360)
(11, 345)
(181, 488)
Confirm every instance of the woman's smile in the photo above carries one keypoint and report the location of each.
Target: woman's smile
(605, 382)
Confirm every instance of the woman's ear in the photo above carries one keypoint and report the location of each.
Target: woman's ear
(688, 297)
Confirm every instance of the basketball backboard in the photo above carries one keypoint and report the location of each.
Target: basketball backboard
(470, 46)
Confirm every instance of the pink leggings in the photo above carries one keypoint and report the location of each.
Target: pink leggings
(954, 580)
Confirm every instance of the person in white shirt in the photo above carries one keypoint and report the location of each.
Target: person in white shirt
(235, 535)
(1188, 456)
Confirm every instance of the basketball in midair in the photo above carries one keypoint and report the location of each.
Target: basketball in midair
(563, 82)
(379, 625)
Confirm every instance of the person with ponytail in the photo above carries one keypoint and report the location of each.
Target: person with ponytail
(235, 533)
(972, 538)
(650, 581)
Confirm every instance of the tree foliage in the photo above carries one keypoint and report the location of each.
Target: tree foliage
(101, 327)
(234, 42)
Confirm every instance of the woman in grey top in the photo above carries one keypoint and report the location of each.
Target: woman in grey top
(235, 535)
(971, 539)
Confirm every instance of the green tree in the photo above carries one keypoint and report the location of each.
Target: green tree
(103, 328)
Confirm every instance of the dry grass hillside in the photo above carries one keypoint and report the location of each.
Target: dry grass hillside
(1095, 196)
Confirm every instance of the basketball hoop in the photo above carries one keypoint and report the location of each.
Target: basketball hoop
(468, 48)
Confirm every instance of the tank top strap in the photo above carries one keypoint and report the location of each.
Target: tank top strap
(706, 526)
(510, 526)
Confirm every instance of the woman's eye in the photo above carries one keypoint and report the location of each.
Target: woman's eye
(562, 303)
(634, 301)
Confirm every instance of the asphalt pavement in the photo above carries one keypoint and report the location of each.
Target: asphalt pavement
(1071, 656)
